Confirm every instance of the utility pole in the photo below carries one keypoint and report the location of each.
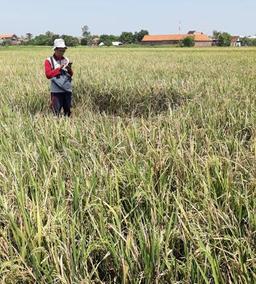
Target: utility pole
(179, 27)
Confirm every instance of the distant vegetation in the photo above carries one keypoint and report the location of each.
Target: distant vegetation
(49, 37)
(221, 39)
(86, 39)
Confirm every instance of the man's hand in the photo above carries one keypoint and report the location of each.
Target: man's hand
(61, 66)
(69, 66)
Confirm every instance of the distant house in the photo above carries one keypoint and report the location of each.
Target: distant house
(113, 43)
(9, 38)
(252, 37)
(117, 43)
(95, 41)
(235, 41)
(201, 40)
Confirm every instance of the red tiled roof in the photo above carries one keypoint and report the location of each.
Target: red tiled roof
(5, 36)
(201, 37)
(175, 37)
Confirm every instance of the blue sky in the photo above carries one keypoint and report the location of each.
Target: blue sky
(112, 16)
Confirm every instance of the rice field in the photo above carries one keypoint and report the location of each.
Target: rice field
(152, 179)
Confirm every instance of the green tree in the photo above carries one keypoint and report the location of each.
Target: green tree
(29, 36)
(108, 39)
(6, 42)
(85, 31)
(215, 34)
(138, 36)
(222, 38)
(44, 39)
(127, 37)
(86, 40)
(252, 42)
(245, 41)
(188, 41)
(70, 40)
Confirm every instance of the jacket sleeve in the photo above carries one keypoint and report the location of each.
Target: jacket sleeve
(49, 73)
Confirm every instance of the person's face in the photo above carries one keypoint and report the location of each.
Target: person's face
(59, 51)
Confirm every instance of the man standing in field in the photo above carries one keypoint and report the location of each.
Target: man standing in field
(58, 70)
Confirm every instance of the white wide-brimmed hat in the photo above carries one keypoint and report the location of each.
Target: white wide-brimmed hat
(59, 43)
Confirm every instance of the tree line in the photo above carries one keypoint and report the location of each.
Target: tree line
(86, 39)
(219, 39)
(224, 39)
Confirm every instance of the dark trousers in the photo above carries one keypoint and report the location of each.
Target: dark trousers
(59, 101)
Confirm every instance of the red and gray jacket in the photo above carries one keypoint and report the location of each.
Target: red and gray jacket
(54, 71)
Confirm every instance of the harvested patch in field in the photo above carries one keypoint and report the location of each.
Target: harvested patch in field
(136, 105)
